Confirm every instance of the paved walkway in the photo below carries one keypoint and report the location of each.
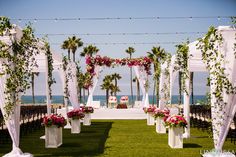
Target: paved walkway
(104, 113)
(132, 113)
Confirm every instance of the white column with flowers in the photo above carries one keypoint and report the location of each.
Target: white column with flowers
(176, 124)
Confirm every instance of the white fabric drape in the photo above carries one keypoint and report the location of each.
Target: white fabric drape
(164, 86)
(221, 117)
(97, 71)
(72, 86)
(13, 121)
(143, 79)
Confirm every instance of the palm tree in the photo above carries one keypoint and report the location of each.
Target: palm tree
(138, 88)
(89, 51)
(107, 83)
(157, 55)
(130, 51)
(116, 77)
(114, 89)
(32, 84)
(71, 45)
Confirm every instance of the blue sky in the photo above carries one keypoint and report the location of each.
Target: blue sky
(20, 9)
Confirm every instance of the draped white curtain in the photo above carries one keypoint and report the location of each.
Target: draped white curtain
(97, 71)
(12, 123)
(164, 87)
(72, 86)
(225, 116)
(143, 79)
(221, 117)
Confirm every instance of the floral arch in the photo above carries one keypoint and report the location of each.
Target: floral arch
(142, 68)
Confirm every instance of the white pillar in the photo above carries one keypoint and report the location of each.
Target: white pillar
(47, 89)
(162, 101)
(187, 107)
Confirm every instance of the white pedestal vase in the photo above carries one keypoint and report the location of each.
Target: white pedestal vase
(150, 119)
(87, 119)
(75, 126)
(160, 126)
(175, 137)
(53, 136)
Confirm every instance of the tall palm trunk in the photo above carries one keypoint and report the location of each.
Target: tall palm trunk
(180, 88)
(107, 95)
(69, 54)
(80, 94)
(157, 90)
(131, 83)
(73, 53)
(191, 86)
(84, 95)
(138, 90)
(32, 86)
(115, 86)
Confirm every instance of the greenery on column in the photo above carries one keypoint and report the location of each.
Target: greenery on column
(210, 47)
(17, 62)
(181, 62)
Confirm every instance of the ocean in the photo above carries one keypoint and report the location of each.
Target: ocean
(57, 99)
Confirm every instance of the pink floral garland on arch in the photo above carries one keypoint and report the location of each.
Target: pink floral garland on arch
(111, 62)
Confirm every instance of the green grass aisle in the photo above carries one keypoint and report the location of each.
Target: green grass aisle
(114, 138)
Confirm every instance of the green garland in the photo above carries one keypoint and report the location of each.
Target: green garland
(65, 66)
(214, 61)
(181, 61)
(166, 86)
(17, 64)
(51, 80)
(4, 24)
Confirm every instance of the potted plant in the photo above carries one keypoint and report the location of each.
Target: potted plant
(53, 130)
(74, 117)
(150, 117)
(176, 123)
(161, 116)
(87, 110)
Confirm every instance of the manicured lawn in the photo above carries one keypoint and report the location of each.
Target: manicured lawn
(111, 138)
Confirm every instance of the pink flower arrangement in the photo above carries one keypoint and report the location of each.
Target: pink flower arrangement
(76, 114)
(149, 109)
(107, 61)
(161, 113)
(54, 119)
(176, 121)
(87, 109)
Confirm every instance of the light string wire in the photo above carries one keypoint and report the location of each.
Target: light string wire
(123, 18)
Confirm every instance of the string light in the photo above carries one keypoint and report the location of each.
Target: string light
(123, 18)
(123, 34)
(132, 43)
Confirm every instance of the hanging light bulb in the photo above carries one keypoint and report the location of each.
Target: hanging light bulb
(35, 20)
(55, 19)
(19, 20)
(218, 18)
(190, 18)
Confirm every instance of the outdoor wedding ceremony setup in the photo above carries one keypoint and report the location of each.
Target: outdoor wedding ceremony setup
(149, 121)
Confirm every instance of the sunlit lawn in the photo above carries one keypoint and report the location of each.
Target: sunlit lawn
(113, 138)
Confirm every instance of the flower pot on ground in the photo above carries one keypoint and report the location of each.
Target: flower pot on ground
(75, 116)
(150, 117)
(121, 106)
(176, 123)
(87, 110)
(53, 130)
(160, 125)
(161, 116)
